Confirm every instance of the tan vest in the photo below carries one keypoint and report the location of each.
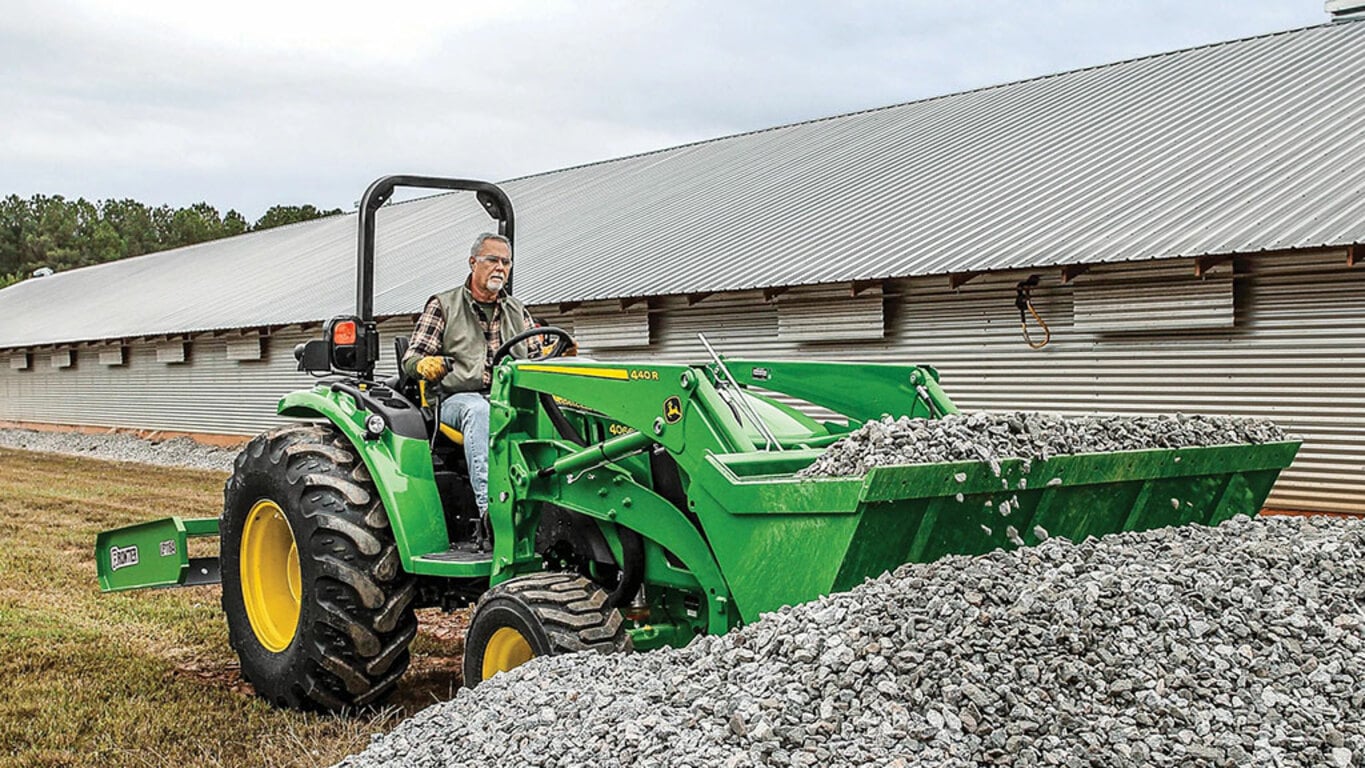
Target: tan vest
(463, 340)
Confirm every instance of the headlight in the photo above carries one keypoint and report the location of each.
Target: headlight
(374, 426)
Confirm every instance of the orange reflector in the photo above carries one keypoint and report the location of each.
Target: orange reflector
(344, 333)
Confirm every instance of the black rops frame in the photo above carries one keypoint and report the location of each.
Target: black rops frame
(361, 357)
(490, 196)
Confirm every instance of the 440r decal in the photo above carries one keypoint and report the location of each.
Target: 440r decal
(620, 374)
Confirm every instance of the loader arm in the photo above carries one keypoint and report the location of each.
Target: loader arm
(882, 389)
(679, 409)
(674, 407)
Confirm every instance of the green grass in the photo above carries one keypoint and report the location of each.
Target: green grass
(146, 678)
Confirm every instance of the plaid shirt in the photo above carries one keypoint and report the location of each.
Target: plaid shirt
(431, 328)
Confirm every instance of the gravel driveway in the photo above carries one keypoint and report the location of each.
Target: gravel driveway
(176, 452)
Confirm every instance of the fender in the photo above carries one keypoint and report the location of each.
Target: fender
(401, 467)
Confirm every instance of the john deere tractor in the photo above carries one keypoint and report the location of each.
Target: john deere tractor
(633, 505)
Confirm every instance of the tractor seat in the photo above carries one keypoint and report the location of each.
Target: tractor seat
(404, 383)
(450, 433)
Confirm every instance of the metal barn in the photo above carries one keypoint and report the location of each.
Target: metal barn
(1195, 220)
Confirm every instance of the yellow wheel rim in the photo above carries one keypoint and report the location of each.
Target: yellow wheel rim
(271, 583)
(507, 648)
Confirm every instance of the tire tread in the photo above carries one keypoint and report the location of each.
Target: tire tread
(357, 623)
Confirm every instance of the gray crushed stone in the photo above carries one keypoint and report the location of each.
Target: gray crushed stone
(982, 436)
(114, 446)
(1194, 646)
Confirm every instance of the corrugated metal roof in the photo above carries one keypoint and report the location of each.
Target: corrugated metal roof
(1239, 147)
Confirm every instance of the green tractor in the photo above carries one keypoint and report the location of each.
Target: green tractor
(633, 505)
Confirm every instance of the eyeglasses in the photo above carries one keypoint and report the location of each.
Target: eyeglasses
(506, 261)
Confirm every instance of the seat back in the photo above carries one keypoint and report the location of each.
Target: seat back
(400, 350)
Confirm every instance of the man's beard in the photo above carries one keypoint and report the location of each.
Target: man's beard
(495, 284)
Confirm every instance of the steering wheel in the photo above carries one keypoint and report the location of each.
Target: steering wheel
(564, 342)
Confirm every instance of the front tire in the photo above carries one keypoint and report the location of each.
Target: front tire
(543, 614)
(318, 608)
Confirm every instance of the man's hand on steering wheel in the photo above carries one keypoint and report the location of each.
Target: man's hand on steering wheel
(563, 343)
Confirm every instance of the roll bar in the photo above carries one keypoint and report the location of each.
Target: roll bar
(490, 196)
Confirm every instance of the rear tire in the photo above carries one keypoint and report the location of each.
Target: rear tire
(544, 614)
(318, 607)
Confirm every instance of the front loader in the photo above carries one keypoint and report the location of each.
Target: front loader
(632, 504)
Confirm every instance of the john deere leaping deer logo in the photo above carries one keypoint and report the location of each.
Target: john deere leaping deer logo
(672, 410)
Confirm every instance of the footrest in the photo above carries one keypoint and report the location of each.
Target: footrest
(461, 553)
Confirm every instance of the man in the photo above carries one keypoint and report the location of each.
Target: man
(452, 348)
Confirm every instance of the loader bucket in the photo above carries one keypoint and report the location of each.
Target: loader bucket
(155, 554)
(823, 535)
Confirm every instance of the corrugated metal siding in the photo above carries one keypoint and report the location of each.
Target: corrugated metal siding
(245, 348)
(1161, 305)
(208, 393)
(611, 328)
(1295, 355)
(804, 314)
(1240, 147)
(557, 319)
(734, 324)
(171, 352)
(113, 355)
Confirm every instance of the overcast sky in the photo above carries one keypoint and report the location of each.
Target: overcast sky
(260, 102)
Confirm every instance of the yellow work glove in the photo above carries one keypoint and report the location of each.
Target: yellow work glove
(431, 368)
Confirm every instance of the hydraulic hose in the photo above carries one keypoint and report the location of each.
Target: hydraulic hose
(561, 424)
(632, 567)
(632, 543)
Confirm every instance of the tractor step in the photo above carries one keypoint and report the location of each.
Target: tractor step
(461, 553)
(461, 561)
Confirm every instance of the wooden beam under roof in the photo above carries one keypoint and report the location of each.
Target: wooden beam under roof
(565, 307)
(959, 279)
(1203, 264)
(693, 298)
(858, 286)
(772, 293)
(1354, 255)
(1073, 271)
(632, 301)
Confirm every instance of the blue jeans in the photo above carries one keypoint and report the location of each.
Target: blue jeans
(468, 412)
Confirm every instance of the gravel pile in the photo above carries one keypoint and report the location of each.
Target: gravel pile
(176, 452)
(995, 436)
(1229, 646)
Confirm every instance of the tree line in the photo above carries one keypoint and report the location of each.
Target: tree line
(60, 234)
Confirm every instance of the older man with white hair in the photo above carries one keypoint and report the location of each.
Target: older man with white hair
(453, 344)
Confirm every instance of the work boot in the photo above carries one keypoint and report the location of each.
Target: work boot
(483, 534)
